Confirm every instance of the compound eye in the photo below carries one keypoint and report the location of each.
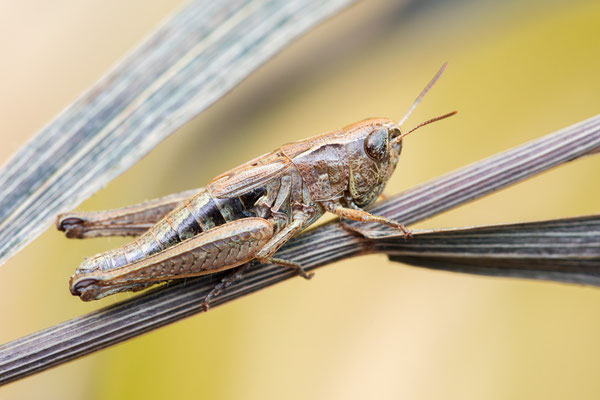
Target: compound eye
(376, 144)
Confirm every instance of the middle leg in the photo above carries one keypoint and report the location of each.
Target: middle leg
(265, 255)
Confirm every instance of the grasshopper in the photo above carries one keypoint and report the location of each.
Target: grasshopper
(245, 214)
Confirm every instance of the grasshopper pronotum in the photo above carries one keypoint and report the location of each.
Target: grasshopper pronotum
(246, 213)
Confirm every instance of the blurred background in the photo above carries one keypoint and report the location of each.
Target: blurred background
(363, 328)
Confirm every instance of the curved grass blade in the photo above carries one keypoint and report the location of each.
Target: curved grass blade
(187, 64)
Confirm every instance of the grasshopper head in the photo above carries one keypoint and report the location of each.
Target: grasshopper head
(372, 158)
(382, 140)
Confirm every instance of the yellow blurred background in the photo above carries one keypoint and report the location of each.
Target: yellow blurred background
(363, 328)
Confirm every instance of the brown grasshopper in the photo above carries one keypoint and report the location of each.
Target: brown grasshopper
(244, 214)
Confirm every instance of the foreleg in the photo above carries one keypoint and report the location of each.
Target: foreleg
(363, 216)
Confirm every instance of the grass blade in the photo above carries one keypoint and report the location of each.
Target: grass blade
(566, 250)
(187, 64)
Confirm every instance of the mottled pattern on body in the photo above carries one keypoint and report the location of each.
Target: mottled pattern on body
(251, 211)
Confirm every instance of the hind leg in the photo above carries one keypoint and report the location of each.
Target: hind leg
(127, 221)
(221, 248)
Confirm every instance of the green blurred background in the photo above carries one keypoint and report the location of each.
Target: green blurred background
(363, 328)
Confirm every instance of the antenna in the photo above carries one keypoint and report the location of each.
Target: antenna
(399, 138)
(418, 100)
